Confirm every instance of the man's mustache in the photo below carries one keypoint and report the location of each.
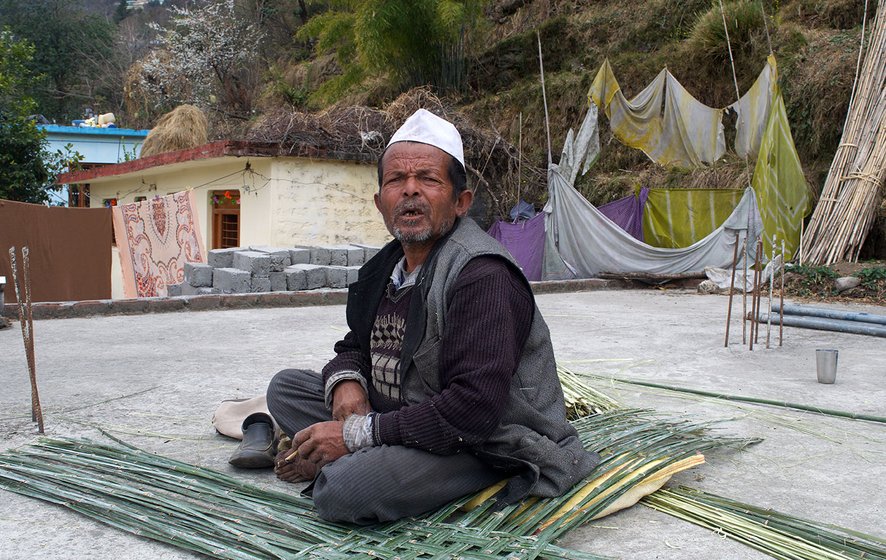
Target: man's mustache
(411, 206)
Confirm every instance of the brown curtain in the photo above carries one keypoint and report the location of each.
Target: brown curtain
(70, 250)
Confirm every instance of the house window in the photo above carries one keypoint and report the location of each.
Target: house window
(140, 198)
(78, 196)
(225, 219)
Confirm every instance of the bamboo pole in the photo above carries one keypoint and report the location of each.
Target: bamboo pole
(754, 400)
(26, 320)
(544, 96)
(852, 191)
(731, 289)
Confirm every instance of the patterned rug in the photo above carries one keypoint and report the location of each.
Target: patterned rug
(156, 238)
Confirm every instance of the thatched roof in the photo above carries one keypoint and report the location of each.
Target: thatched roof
(491, 160)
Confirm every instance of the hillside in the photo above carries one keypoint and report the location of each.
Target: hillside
(816, 44)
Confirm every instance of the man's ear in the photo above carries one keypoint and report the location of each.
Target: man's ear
(463, 202)
(377, 200)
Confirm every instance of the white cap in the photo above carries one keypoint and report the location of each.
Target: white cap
(427, 128)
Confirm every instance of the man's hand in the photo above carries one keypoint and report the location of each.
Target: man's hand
(348, 397)
(321, 443)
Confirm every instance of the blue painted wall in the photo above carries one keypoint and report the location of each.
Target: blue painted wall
(96, 145)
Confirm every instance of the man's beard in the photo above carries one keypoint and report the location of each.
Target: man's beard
(413, 237)
(417, 237)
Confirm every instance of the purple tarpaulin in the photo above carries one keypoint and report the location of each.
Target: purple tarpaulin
(526, 242)
(627, 212)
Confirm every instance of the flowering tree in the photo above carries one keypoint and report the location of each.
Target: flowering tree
(207, 56)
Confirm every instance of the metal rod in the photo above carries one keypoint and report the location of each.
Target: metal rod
(731, 288)
(769, 303)
(781, 300)
(754, 297)
(744, 290)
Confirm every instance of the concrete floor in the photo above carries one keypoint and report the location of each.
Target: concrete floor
(155, 380)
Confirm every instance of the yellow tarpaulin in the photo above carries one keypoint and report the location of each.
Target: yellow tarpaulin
(675, 218)
(637, 122)
(663, 120)
(782, 193)
(753, 110)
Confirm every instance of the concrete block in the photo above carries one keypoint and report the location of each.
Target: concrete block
(280, 258)
(278, 281)
(222, 258)
(353, 274)
(198, 274)
(369, 252)
(189, 290)
(337, 276)
(296, 278)
(174, 290)
(338, 256)
(300, 255)
(260, 284)
(315, 276)
(356, 255)
(253, 262)
(320, 256)
(231, 280)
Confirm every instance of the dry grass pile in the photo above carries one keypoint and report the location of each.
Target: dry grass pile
(182, 128)
(358, 131)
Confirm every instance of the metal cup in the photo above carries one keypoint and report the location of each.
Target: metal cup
(826, 365)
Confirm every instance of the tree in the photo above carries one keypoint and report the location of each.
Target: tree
(121, 11)
(414, 42)
(72, 50)
(207, 57)
(27, 169)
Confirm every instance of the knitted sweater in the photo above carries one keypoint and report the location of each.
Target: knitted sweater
(486, 328)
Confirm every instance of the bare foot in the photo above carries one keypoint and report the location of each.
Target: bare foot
(295, 469)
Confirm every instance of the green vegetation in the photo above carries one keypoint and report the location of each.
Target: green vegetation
(27, 169)
(411, 42)
(73, 58)
(815, 280)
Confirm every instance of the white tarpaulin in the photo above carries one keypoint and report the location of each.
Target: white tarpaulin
(753, 111)
(582, 242)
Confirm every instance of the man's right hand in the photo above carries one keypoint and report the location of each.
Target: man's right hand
(348, 397)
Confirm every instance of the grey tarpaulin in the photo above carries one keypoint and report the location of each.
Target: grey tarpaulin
(582, 242)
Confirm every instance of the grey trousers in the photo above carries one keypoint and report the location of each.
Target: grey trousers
(375, 484)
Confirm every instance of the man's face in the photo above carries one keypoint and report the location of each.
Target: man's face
(416, 195)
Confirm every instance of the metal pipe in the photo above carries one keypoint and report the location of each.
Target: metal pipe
(731, 289)
(823, 312)
(833, 325)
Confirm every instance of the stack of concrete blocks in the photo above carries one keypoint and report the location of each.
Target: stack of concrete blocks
(273, 269)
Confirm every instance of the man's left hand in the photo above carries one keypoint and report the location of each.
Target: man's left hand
(321, 443)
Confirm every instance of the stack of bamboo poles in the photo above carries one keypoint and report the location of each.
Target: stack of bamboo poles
(852, 191)
(777, 534)
(208, 512)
